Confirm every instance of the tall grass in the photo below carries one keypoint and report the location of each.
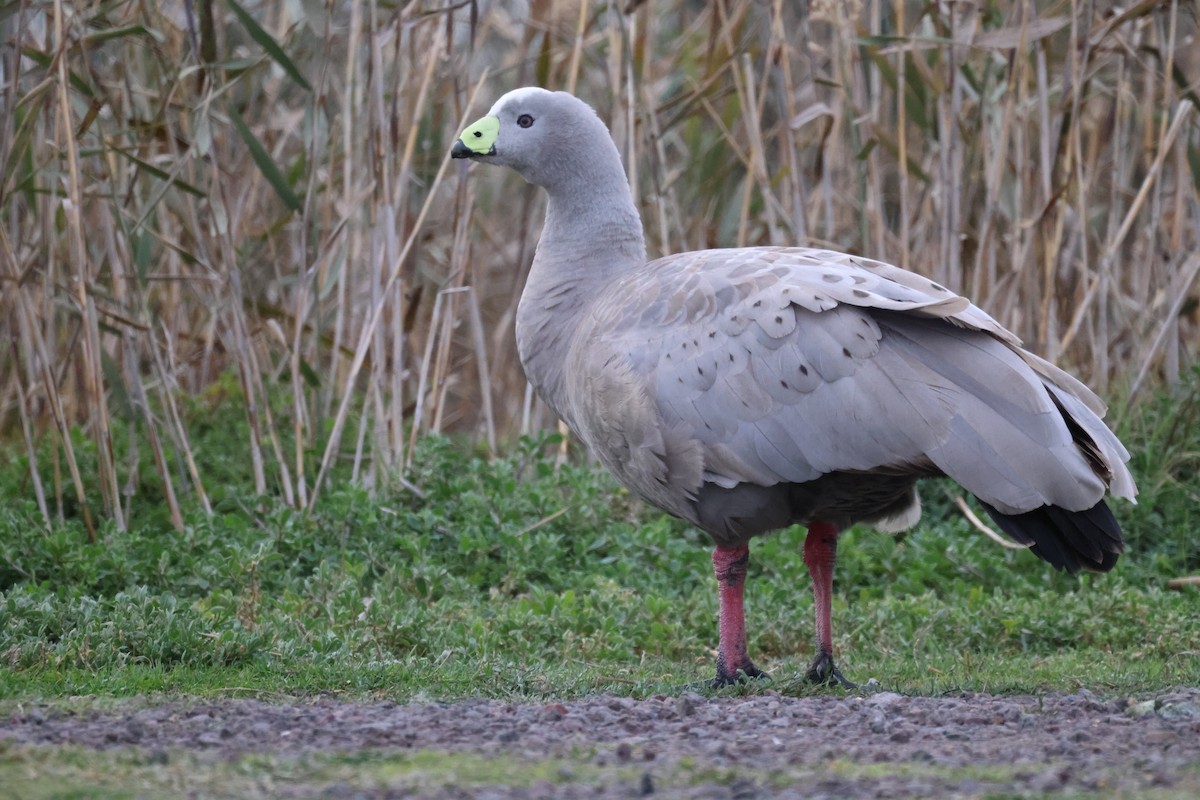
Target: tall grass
(263, 190)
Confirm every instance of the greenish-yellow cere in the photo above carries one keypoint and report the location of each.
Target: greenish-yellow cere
(480, 136)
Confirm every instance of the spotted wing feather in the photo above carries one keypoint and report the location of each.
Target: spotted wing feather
(780, 365)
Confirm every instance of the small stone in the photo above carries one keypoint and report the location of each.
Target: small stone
(135, 729)
(1179, 710)
(1142, 709)
(647, 785)
(686, 703)
(620, 703)
(884, 699)
(624, 751)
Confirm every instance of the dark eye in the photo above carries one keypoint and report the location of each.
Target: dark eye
(524, 121)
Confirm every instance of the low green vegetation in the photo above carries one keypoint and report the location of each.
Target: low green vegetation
(515, 577)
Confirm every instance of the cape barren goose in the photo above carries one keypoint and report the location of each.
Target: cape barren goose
(750, 389)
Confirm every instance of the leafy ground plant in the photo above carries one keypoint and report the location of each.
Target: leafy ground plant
(521, 576)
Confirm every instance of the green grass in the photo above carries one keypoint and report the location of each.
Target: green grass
(512, 578)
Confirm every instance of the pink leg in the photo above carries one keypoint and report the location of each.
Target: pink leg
(730, 565)
(820, 554)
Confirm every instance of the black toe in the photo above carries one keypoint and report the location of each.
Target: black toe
(825, 673)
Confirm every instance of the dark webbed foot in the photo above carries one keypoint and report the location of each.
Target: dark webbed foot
(743, 674)
(825, 673)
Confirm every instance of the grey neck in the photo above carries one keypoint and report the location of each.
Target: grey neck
(592, 235)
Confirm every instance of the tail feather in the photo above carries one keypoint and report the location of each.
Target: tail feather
(1070, 540)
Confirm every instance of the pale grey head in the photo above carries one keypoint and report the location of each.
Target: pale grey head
(552, 139)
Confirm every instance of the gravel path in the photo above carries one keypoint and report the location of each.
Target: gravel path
(762, 746)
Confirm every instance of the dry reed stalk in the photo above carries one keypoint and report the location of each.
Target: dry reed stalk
(577, 48)
(781, 48)
(1113, 245)
(901, 102)
(661, 189)
(441, 378)
(36, 353)
(373, 317)
(177, 429)
(122, 284)
(95, 397)
(481, 362)
(423, 379)
(1188, 270)
(936, 134)
(142, 406)
(39, 491)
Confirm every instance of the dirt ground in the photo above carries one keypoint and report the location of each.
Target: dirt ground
(760, 746)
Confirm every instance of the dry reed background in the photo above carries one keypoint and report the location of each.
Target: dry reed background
(262, 190)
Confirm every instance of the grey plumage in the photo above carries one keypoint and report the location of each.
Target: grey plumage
(765, 367)
(748, 389)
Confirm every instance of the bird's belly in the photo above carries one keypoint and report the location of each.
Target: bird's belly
(732, 516)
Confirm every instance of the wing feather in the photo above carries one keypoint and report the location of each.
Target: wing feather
(770, 365)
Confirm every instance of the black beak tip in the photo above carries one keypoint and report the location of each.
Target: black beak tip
(460, 150)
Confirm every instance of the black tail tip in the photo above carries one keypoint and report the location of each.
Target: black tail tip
(1068, 540)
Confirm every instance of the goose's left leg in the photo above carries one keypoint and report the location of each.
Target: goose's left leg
(820, 554)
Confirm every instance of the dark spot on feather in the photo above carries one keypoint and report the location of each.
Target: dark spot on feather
(685, 345)
(784, 384)
(803, 370)
(846, 352)
(731, 356)
(829, 278)
(779, 320)
(701, 370)
(712, 334)
(860, 293)
(939, 287)
(680, 380)
(757, 303)
(860, 336)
